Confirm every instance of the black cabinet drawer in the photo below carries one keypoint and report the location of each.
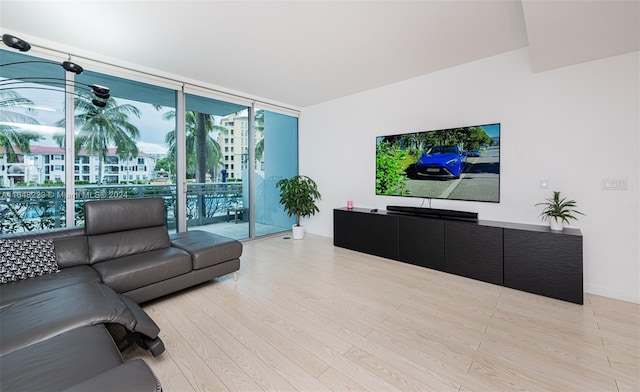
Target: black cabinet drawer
(473, 251)
(421, 242)
(548, 264)
(347, 229)
(380, 235)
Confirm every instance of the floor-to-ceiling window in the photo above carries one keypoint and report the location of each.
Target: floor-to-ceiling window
(124, 146)
(119, 139)
(92, 135)
(32, 166)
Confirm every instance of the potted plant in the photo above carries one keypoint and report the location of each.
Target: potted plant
(298, 196)
(558, 210)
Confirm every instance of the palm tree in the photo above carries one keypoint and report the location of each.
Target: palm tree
(200, 155)
(202, 150)
(103, 127)
(12, 138)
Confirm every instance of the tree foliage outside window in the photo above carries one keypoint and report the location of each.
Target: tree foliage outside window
(103, 127)
(203, 152)
(13, 139)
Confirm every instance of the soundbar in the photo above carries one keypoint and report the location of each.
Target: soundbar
(434, 213)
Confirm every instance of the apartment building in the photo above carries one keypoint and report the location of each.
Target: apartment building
(48, 163)
(234, 145)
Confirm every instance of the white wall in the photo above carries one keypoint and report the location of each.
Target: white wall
(575, 126)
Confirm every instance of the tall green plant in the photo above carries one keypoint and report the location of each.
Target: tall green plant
(298, 196)
(390, 176)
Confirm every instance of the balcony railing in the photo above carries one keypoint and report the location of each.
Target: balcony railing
(31, 208)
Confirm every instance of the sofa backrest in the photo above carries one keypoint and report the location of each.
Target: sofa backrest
(70, 244)
(117, 228)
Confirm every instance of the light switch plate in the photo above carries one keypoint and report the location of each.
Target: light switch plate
(544, 183)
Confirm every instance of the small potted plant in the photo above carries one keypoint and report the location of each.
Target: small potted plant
(558, 210)
(298, 196)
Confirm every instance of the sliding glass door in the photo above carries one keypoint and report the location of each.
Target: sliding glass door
(276, 157)
(217, 190)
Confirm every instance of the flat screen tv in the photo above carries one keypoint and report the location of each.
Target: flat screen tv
(457, 164)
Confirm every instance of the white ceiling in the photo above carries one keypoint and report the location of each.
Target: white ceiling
(300, 53)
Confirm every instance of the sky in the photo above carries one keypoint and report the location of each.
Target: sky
(493, 130)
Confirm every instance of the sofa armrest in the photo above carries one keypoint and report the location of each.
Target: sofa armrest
(206, 249)
(144, 324)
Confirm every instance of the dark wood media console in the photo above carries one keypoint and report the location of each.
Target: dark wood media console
(530, 258)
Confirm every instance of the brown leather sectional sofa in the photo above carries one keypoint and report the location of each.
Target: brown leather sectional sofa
(65, 330)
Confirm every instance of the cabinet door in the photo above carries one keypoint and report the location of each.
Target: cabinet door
(347, 229)
(473, 251)
(421, 242)
(544, 263)
(380, 235)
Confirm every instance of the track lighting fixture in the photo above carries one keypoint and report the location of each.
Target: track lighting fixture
(14, 42)
(67, 65)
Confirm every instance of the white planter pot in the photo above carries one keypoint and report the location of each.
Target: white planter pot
(297, 232)
(556, 224)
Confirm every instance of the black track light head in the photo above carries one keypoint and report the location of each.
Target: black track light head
(98, 89)
(99, 104)
(102, 96)
(15, 42)
(72, 67)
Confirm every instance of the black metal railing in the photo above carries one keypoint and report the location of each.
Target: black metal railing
(39, 208)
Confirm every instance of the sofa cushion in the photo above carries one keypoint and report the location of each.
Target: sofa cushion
(131, 272)
(206, 248)
(119, 244)
(28, 258)
(12, 292)
(108, 216)
(61, 361)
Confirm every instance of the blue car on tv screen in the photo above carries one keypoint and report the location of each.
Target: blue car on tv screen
(441, 162)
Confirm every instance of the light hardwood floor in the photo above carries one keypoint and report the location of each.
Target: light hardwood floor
(306, 316)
